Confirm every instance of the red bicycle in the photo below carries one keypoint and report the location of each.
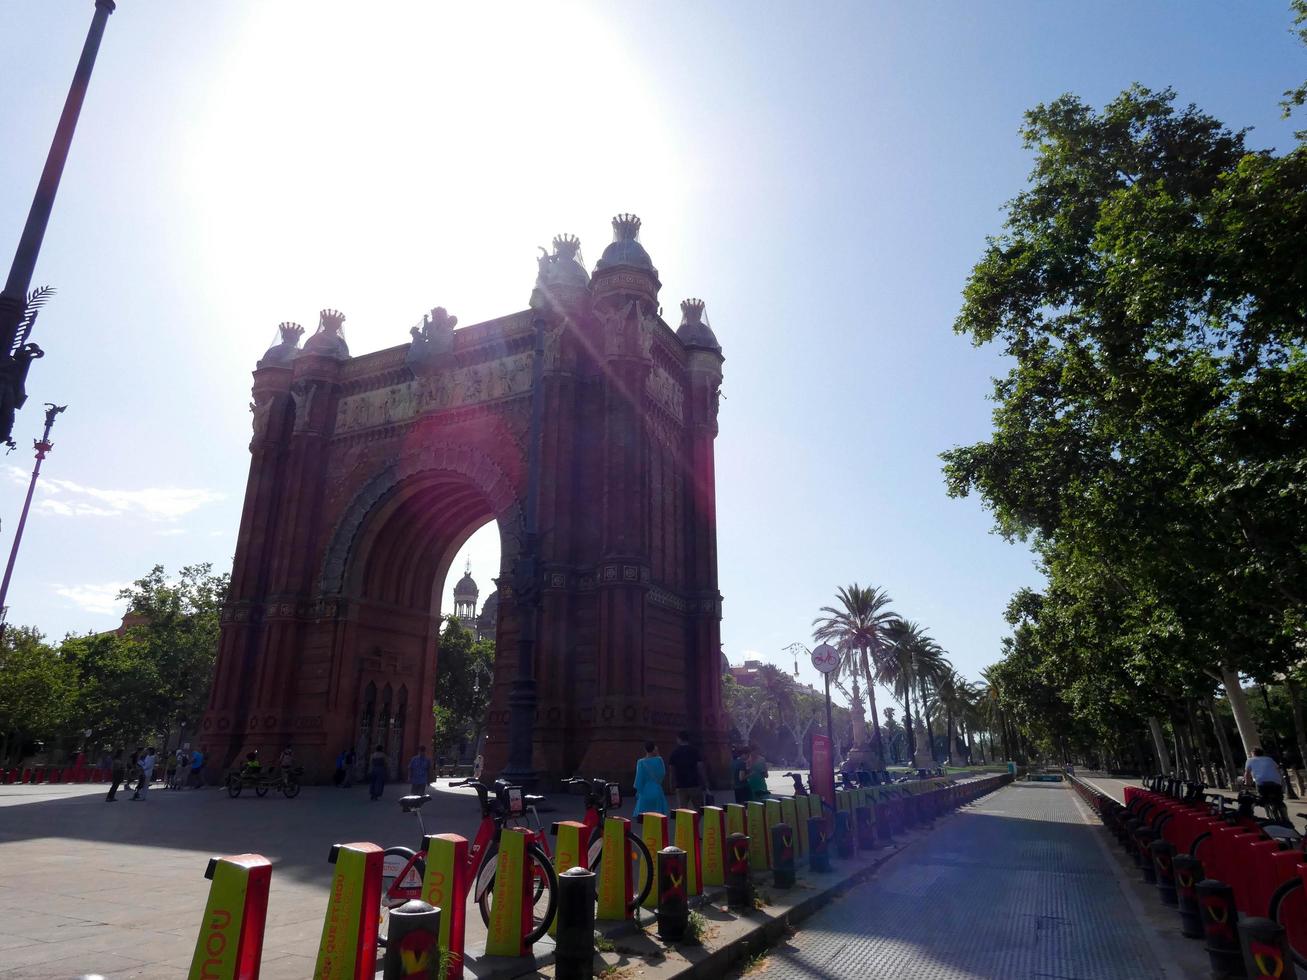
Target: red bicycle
(403, 869)
(600, 797)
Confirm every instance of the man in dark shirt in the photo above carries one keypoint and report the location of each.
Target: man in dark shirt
(689, 777)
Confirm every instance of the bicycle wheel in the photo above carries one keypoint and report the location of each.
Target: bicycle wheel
(1288, 907)
(544, 889)
(640, 864)
(290, 789)
(233, 786)
(402, 872)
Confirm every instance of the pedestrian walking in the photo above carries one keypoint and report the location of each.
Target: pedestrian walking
(338, 777)
(147, 764)
(757, 774)
(134, 769)
(350, 762)
(117, 772)
(378, 764)
(197, 769)
(689, 775)
(419, 772)
(478, 764)
(740, 774)
(650, 772)
(169, 770)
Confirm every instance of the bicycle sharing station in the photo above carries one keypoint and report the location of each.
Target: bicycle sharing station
(398, 913)
(1236, 880)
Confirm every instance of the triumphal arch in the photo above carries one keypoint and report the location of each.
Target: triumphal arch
(368, 472)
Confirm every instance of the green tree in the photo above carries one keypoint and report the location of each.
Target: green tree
(36, 686)
(465, 671)
(1151, 290)
(859, 623)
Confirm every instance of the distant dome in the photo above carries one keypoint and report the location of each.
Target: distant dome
(626, 248)
(466, 587)
(693, 332)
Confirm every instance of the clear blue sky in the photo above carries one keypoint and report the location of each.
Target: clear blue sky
(823, 175)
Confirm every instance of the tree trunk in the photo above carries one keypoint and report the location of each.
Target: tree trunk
(909, 736)
(1243, 718)
(877, 749)
(1159, 744)
(1299, 723)
(1223, 743)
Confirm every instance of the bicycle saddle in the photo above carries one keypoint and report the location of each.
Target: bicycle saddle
(410, 803)
(533, 799)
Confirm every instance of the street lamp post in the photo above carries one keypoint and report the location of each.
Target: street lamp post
(16, 355)
(43, 446)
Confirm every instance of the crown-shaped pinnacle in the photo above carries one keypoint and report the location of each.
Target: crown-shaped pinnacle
(330, 321)
(626, 228)
(692, 310)
(567, 245)
(290, 332)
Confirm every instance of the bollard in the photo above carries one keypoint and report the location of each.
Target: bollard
(739, 888)
(445, 887)
(686, 837)
(734, 818)
(1220, 927)
(864, 822)
(673, 905)
(575, 925)
(843, 835)
(818, 846)
(884, 832)
(1163, 854)
(570, 851)
(512, 902)
(230, 943)
(772, 818)
(1266, 952)
(714, 846)
(653, 831)
(348, 947)
(616, 889)
(1143, 838)
(412, 942)
(756, 816)
(790, 815)
(782, 855)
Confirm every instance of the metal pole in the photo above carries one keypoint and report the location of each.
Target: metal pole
(526, 587)
(14, 297)
(830, 725)
(43, 446)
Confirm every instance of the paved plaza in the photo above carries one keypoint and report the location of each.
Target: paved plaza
(119, 889)
(1018, 885)
(1015, 886)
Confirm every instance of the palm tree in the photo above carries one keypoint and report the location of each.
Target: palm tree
(859, 621)
(953, 694)
(910, 668)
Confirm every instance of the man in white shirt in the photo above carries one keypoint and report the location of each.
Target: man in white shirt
(146, 763)
(1262, 770)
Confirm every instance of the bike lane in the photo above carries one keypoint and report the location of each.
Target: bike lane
(1015, 886)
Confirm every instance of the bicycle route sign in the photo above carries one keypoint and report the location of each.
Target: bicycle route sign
(825, 658)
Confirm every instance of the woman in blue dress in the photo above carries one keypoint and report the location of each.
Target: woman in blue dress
(649, 775)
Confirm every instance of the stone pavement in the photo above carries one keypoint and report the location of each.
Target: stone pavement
(1016, 886)
(119, 889)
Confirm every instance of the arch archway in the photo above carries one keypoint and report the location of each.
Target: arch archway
(368, 472)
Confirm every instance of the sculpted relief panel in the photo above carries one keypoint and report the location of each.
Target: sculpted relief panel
(451, 389)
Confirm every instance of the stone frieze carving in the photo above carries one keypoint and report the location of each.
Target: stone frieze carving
(450, 389)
